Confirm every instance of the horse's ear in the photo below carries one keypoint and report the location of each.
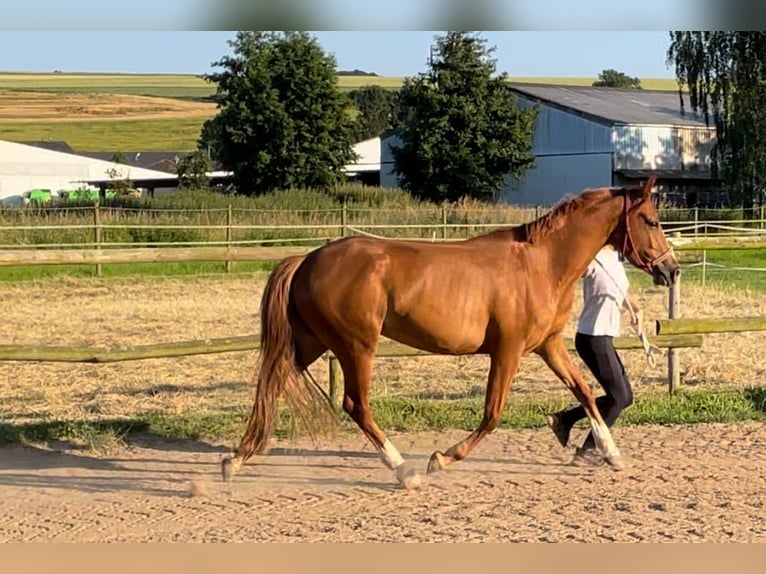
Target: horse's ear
(649, 186)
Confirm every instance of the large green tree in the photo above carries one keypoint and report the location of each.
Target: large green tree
(724, 73)
(377, 111)
(462, 131)
(282, 122)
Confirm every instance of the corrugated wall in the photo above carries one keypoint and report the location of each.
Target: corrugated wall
(558, 133)
(572, 153)
(662, 147)
(580, 144)
(553, 177)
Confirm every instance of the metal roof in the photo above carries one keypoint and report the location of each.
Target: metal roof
(616, 105)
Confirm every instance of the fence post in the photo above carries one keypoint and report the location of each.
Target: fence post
(335, 377)
(674, 305)
(343, 219)
(97, 233)
(704, 265)
(696, 220)
(444, 221)
(229, 220)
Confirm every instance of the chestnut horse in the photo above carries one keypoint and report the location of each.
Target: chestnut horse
(506, 293)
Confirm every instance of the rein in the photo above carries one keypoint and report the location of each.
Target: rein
(628, 242)
(649, 350)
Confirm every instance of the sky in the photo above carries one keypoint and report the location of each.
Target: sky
(386, 53)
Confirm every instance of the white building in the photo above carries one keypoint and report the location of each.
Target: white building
(588, 136)
(366, 167)
(26, 167)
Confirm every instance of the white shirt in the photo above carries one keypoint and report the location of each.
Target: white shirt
(603, 295)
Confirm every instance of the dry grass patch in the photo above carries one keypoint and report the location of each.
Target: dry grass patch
(134, 311)
(19, 106)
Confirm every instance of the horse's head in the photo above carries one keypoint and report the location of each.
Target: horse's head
(640, 238)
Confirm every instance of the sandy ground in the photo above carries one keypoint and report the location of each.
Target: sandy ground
(691, 484)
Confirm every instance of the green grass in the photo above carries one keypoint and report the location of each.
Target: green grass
(308, 208)
(123, 135)
(34, 272)
(395, 414)
(159, 85)
(745, 280)
(646, 83)
(162, 85)
(725, 277)
(190, 86)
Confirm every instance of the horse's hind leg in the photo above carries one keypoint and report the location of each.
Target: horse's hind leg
(556, 356)
(357, 376)
(504, 363)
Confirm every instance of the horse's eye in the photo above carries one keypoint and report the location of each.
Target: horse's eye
(653, 223)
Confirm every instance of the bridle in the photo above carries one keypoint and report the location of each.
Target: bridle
(628, 242)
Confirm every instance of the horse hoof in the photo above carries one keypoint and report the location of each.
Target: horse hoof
(436, 462)
(616, 462)
(408, 477)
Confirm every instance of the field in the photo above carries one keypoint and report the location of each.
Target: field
(130, 451)
(124, 112)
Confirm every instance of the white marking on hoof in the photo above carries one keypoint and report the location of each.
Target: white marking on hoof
(391, 457)
(604, 441)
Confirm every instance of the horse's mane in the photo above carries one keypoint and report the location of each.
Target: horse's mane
(557, 216)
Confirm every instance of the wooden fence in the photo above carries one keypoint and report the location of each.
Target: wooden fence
(103, 254)
(672, 334)
(386, 348)
(88, 256)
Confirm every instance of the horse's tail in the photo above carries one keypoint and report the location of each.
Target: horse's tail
(279, 373)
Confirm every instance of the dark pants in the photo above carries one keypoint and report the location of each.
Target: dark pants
(602, 359)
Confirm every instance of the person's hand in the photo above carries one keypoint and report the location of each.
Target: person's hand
(637, 321)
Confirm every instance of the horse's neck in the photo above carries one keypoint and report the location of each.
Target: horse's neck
(574, 244)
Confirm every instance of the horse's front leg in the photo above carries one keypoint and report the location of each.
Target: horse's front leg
(554, 352)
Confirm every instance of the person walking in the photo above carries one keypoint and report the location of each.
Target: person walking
(605, 294)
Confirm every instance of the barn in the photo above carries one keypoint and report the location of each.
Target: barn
(26, 169)
(592, 136)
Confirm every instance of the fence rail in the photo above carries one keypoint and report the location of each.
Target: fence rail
(386, 348)
(10, 257)
(90, 256)
(691, 326)
(99, 226)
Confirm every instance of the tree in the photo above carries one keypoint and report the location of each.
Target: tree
(724, 72)
(282, 121)
(462, 132)
(192, 170)
(377, 109)
(614, 79)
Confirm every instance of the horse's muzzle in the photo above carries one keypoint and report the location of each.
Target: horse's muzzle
(666, 272)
